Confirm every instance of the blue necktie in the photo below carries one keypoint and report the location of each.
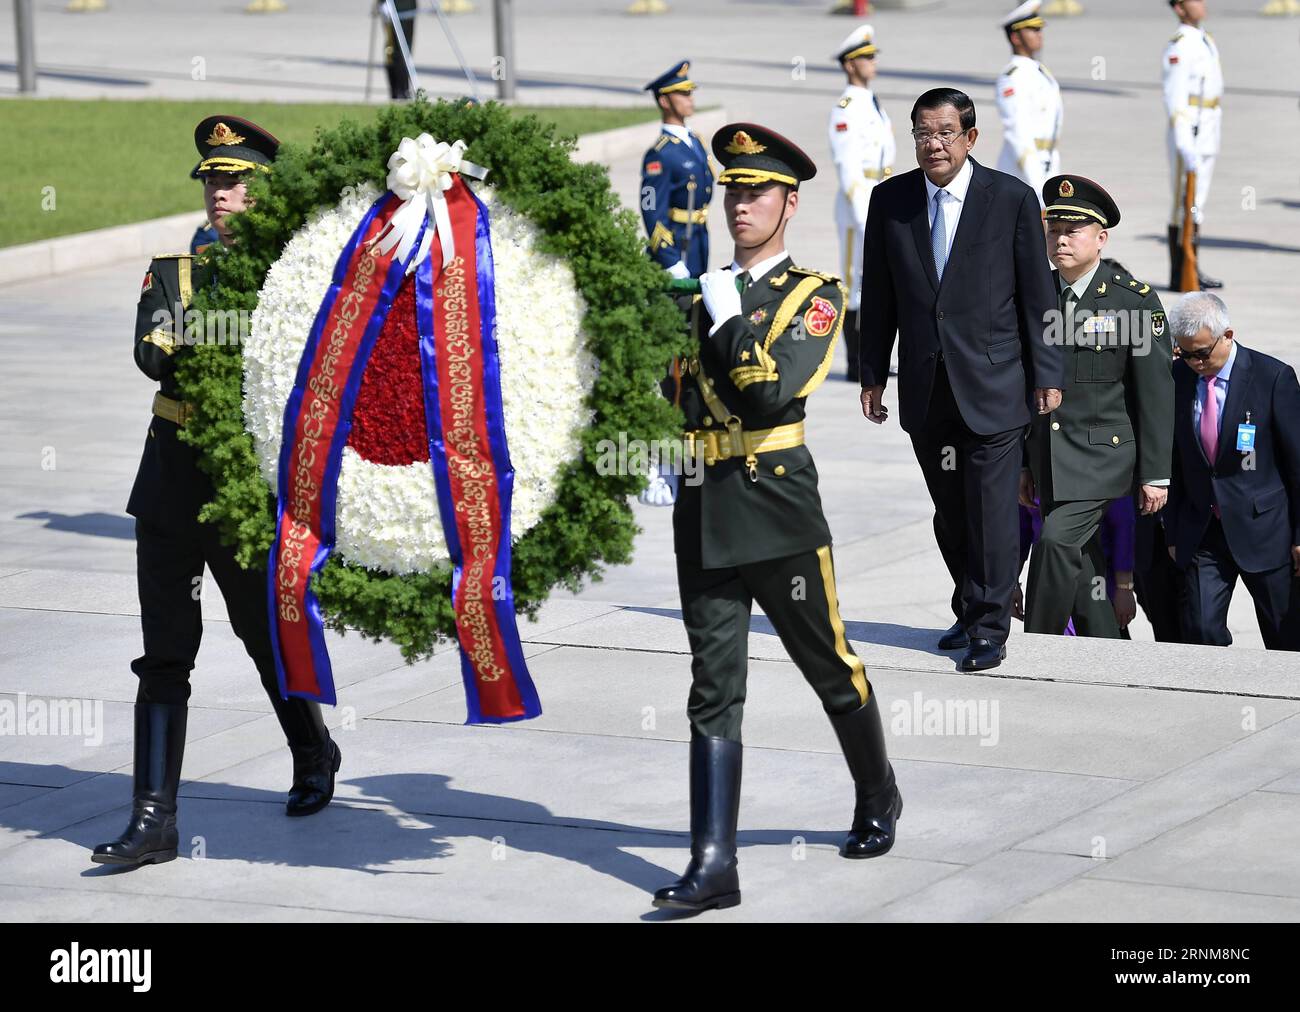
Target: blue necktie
(939, 235)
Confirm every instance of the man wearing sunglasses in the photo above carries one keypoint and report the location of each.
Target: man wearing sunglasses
(1234, 502)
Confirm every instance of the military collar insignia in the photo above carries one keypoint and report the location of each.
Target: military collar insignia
(743, 144)
(1066, 189)
(223, 135)
(1101, 289)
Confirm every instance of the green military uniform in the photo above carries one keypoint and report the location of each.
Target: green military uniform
(173, 547)
(748, 526)
(752, 529)
(1112, 432)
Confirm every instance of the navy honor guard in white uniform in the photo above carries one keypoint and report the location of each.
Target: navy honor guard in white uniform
(862, 147)
(1029, 102)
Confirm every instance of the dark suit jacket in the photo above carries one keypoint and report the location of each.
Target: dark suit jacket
(1260, 505)
(987, 317)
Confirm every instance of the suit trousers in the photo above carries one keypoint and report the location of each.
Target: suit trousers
(169, 571)
(797, 593)
(1212, 577)
(974, 482)
(1158, 582)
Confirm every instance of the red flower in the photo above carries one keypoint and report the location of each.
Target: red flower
(388, 419)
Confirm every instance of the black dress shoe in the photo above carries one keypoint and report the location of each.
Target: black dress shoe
(983, 654)
(316, 756)
(151, 836)
(313, 779)
(878, 801)
(955, 638)
(712, 880)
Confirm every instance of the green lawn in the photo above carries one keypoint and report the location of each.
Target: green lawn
(108, 162)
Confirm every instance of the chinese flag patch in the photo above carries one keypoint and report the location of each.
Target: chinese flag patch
(1008, 92)
(1173, 60)
(820, 317)
(654, 168)
(841, 127)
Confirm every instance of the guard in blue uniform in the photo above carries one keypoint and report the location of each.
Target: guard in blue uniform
(677, 181)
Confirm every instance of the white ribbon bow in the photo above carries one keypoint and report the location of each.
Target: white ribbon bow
(420, 172)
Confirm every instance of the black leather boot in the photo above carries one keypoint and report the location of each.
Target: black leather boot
(1175, 258)
(151, 836)
(316, 757)
(851, 336)
(1204, 279)
(879, 803)
(711, 879)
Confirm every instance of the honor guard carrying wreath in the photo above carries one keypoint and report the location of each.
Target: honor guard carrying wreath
(1029, 102)
(173, 546)
(862, 148)
(677, 181)
(752, 528)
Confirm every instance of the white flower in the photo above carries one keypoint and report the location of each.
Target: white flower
(387, 516)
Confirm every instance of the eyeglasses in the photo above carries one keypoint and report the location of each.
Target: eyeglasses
(1200, 354)
(944, 137)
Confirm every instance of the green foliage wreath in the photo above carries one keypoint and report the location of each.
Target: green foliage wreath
(631, 327)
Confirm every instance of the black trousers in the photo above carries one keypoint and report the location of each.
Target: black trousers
(974, 482)
(399, 81)
(169, 572)
(1212, 577)
(1158, 582)
(797, 593)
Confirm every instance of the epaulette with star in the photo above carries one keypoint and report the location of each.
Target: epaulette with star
(1132, 284)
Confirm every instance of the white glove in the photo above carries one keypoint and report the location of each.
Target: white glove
(661, 489)
(679, 271)
(720, 297)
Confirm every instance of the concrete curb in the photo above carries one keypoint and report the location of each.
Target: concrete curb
(143, 239)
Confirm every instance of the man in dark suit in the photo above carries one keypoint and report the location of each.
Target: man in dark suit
(954, 265)
(1234, 504)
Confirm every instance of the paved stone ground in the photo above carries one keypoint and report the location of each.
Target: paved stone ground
(1108, 781)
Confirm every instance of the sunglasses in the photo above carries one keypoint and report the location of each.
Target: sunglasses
(1200, 354)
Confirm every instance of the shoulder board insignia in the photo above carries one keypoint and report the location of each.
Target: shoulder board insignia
(844, 102)
(663, 139)
(780, 280)
(828, 278)
(1011, 69)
